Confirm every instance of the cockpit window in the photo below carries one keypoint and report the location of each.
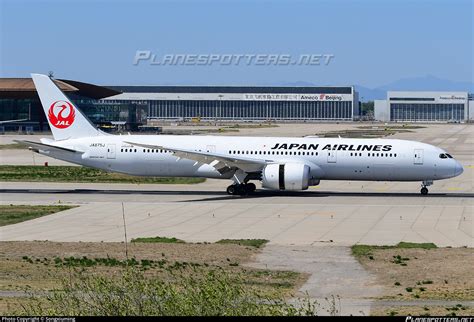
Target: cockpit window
(443, 156)
(449, 155)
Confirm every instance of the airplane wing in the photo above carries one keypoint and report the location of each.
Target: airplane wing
(221, 162)
(36, 146)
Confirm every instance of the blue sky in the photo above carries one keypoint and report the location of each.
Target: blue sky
(373, 42)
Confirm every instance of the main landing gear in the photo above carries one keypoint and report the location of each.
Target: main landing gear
(241, 189)
(424, 185)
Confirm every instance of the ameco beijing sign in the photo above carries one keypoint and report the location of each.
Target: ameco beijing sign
(298, 97)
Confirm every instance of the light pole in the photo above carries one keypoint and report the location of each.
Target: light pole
(219, 111)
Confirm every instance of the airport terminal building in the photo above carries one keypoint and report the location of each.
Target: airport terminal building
(130, 107)
(19, 101)
(242, 103)
(424, 107)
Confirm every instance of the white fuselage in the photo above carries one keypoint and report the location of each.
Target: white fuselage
(328, 158)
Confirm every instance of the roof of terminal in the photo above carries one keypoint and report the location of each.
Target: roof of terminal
(26, 85)
(25, 88)
(235, 89)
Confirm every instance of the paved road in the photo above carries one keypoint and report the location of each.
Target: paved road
(205, 213)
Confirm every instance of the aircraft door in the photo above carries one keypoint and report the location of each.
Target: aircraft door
(211, 148)
(110, 151)
(332, 156)
(418, 156)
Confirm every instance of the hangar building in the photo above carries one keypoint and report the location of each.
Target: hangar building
(424, 107)
(243, 103)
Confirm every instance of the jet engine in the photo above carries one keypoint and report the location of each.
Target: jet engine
(287, 176)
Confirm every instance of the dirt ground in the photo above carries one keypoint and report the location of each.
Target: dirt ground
(32, 265)
(452, 310)
(209, 253)
(423, 274)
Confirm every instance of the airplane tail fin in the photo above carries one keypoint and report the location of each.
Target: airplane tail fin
(65, 119)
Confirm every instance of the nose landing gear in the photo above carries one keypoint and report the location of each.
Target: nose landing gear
(241, 189)
(424, 185)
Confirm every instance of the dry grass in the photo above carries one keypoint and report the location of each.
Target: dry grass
(12, 214)
(32, 264)
(406, 274)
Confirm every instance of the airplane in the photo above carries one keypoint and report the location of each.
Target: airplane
(279, 163)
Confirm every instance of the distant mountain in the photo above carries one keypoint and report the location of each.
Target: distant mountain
(425, 83)
(369, 94)
(298, 84)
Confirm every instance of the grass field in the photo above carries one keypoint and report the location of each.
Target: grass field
(12, 214)
(244, 242)
(39, 266)
(257, 243)
(157, 240)
(367, 250)
(13, 146)
(80, 174)
(419, 271)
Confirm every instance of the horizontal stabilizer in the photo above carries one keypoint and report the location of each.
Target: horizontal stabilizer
(36, 146)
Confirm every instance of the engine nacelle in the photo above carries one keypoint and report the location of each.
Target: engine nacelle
(287, 176)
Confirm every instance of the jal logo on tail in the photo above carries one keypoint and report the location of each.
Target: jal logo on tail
(61, 114)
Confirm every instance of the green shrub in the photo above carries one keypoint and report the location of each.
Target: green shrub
(244, 242)
(157, 239)
(188, 292)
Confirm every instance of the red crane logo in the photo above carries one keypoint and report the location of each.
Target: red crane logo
(61, 114)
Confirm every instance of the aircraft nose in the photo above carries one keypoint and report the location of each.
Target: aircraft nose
(458, 169)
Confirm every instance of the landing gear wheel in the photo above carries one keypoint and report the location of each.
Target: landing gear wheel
(424, 191)
(241, 189)
(251, 187)
(231, 190)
